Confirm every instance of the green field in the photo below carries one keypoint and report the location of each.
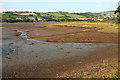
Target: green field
(55, 16)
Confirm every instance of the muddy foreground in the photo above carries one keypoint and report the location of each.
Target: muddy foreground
(35, 58)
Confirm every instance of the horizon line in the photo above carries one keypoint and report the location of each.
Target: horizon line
(58, 11)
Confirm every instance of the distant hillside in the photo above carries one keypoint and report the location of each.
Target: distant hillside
(108, 14)
(100, 15)
(55, 16)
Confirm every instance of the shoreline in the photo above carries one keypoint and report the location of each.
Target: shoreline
(43, 22)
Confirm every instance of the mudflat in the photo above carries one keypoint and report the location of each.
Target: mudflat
(49, 50)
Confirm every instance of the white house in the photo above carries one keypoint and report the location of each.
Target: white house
(18, 18)
(39, 18)
(31, 18)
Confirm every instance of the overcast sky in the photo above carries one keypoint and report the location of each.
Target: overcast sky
(59, 5)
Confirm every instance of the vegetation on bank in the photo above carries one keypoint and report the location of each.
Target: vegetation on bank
(56, 16)
(106, 27)
(105, 71)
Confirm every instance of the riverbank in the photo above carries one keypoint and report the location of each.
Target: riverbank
(78, 32)
(31, 59)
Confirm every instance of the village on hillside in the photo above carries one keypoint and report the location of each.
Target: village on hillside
(25, 16)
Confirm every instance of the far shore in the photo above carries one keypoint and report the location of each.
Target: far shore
(44, 22)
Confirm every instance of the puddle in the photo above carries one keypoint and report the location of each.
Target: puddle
(37, 34)
(4, 38)
(2, 27)
(9, 49)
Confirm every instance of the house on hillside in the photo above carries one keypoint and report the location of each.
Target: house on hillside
(100, 19)
(39, 18)
(18, 18)
(31, 18)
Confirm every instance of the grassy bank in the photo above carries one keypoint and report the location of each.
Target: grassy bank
(106, 27)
